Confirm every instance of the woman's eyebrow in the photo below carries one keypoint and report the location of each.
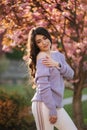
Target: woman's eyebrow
(38, 40)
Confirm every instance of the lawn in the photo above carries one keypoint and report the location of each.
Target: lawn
(69, 93)
(25, 91)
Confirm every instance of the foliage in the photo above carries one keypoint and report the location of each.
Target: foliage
(4, 63)
(8, 110)
(12, 114)
(22, 94)
(15, 54)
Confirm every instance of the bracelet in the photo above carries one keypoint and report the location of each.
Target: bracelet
(59, 65)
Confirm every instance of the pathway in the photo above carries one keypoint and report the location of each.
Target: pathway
(67, 101)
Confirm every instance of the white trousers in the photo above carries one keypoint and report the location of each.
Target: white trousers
(41, 116)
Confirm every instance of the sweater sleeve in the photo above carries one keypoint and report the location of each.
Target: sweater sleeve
(65, 68)
(43, 86)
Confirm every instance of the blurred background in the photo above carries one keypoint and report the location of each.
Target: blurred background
(66, 21)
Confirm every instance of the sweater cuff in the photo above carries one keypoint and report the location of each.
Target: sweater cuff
(53, 112)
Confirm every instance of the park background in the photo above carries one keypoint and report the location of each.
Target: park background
(66, 20)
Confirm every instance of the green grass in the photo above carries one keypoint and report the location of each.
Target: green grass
(84, 109)
(69, 110)
(27, 92)
(68, 93)
(21, 89)
(24, 91)
(84, 91)
(13, 88)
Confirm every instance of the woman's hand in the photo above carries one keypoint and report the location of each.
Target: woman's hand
(53, 119)
(48, 61)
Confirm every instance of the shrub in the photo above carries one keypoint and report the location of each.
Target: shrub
(12, 113)
(8, 113)
(15, 54)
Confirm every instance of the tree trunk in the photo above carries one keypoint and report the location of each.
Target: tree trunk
(77, 109)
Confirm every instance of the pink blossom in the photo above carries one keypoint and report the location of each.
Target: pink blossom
(66, 14)
(13, 44)
(7, 48)
(26, 58)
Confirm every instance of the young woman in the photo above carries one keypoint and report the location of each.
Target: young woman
(49, 69)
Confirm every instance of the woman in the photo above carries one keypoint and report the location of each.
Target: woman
(49, 70)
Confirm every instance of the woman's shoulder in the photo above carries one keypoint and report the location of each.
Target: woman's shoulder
(56, 52)
(41, 55)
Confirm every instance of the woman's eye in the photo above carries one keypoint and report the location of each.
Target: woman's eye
(38, 42)
(44, 38)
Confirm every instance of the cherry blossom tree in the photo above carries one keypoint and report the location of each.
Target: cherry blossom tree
(66, 20)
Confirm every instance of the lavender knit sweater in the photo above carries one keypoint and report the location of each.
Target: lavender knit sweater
(50, 82)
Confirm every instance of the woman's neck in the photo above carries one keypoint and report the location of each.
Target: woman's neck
(48, 52)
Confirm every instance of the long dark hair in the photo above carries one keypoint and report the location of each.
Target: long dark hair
(32, 49)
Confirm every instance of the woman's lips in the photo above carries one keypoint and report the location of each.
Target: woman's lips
(45, 46)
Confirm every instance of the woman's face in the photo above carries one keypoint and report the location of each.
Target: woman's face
(43, 42)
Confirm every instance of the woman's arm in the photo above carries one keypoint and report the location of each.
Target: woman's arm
(43, 84)
(66, 69)
(48, 61)
(63, 66)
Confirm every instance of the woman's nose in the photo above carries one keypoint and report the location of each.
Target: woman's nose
(44, 42)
